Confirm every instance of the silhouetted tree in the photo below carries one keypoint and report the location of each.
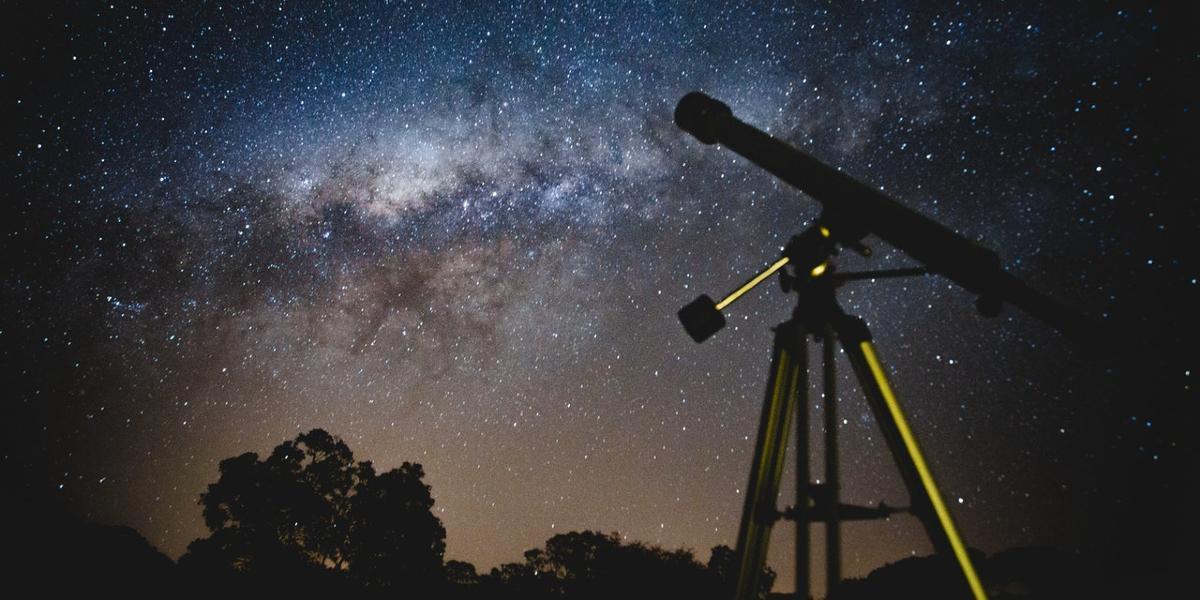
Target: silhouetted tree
(310, 515)
(310, 519)
(586, 565)
(723, 570)
(294, 506)
(396, 539)
(461, 573)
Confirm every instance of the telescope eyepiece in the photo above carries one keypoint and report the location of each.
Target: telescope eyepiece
(702, 116)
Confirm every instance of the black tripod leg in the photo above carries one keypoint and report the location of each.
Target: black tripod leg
(926, 501)
(802, 509)
(787, 378)
(833, 498)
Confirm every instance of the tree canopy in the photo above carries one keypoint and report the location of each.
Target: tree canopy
(310, 508)
(590, 564)
(310, 518)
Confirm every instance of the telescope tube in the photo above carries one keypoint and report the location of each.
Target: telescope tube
(853, 209)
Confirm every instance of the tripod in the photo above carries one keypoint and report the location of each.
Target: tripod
(818, 314)
(851, 211)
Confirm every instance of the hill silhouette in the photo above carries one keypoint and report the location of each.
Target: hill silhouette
(1029, 573)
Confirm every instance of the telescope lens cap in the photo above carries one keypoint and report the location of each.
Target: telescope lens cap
(702, 116)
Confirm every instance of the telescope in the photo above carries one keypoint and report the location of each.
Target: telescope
(852, 210)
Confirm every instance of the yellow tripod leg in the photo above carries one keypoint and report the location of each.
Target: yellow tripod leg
(788, 368)
(913, 451)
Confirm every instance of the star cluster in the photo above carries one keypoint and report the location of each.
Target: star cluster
(457, 234)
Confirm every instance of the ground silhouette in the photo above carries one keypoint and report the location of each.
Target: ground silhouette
(311, 520)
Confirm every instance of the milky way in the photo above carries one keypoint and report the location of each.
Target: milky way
(459, 236)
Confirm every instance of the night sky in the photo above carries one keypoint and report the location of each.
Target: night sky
(459, 236)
